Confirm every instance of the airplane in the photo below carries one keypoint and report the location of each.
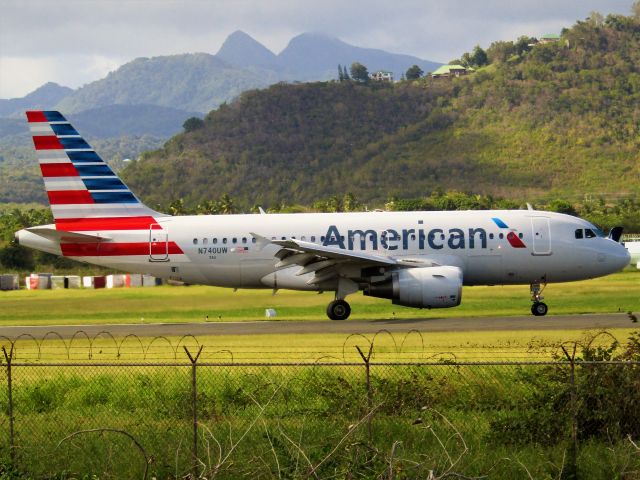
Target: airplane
(416, 259)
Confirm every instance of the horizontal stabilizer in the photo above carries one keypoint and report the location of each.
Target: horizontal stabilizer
(51, 233)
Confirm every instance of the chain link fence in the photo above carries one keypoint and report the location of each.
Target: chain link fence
(575, 417)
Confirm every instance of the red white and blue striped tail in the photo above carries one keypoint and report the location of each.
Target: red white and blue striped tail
(84, 193)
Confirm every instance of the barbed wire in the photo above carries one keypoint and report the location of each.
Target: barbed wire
(384, 345)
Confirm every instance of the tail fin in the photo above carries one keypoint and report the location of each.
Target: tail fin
(83, 191)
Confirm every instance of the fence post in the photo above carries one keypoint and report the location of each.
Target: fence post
(367, 360)
(194, 407)
(572, 472)
(12, 447)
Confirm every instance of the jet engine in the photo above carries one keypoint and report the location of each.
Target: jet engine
(426, 287)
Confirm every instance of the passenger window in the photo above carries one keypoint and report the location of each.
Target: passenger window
(579, 233)
(253, 240)
(491, 236)
(322, 239)
(520, 235)
(205, 241)
(501, 236)
(195, 241)
(235, 240)
(224, 240)
(215, 240)
(589, 233)
(303, 238)
(244, 239)
(313, 238)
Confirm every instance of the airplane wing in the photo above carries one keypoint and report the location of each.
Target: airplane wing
(327, 262)
(333, 253)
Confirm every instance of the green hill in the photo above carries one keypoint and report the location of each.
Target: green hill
(558, 119)
(194, 82)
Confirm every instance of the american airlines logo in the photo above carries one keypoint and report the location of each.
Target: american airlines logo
(434, 239)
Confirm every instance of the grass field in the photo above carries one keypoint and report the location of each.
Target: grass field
(620, 292)
(520, 345)
(474, 421)
(258, 421)
(615, 293)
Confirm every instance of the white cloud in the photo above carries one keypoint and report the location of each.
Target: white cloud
(21, 75)
(41, 40)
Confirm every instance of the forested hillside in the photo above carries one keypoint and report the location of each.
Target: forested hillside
(543, 121)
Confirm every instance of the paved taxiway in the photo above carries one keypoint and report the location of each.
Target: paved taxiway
(525, 322)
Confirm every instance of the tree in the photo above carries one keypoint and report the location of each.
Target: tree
(359, 72)
(226, 204)
(562, 206)
(350, 203)
(208, 207)
(635, 10)
(596, 19)
(193, 123)
(500, 52)
(340, 74)
(414, 72)
(479, 57)
(345, 74)
(16, 257)
(524, 44)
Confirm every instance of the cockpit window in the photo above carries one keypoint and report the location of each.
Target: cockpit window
(588, 233)
(579, 233)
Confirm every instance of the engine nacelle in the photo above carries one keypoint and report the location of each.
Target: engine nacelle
(427, 287)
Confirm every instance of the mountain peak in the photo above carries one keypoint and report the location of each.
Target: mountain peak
(314, 55)
(242, 50)
(49, 92)
(44, 97)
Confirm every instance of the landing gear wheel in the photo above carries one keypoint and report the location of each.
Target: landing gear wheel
(338, 310)
(539, 309)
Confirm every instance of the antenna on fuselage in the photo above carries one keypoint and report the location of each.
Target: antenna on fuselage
(529, 206)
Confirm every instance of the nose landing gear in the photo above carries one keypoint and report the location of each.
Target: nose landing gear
(539, 308)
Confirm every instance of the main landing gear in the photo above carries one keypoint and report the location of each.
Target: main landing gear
(338, 310)
(539, 308)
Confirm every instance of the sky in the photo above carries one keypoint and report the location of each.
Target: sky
(74, 42)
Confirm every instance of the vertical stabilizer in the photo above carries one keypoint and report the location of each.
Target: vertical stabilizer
(84, 193)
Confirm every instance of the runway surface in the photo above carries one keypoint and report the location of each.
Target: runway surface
(528, 322)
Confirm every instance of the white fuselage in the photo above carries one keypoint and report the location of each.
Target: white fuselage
(222, 250)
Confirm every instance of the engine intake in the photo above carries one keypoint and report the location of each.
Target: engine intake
(427, 287)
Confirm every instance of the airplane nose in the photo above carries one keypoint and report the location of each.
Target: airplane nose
(613, 257)
(620, 257)
(625, 258)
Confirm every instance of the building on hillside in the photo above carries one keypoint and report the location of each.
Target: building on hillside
(549, 38)
(382, 76)
(448, 71)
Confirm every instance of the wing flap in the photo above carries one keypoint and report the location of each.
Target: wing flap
(300, 246)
